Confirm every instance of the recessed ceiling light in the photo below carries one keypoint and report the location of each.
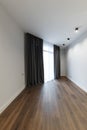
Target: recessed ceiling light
(68, 39)
(76, 29)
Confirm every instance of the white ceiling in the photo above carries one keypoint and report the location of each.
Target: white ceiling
(52, 20)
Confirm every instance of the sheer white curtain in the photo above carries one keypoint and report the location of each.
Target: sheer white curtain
(48, 55)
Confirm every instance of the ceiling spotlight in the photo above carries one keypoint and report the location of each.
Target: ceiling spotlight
(68, 39)
(76, 29)
(63, 44)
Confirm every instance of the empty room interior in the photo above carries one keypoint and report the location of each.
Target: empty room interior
(43, 65)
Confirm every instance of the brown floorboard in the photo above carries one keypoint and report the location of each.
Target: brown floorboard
(57, 105)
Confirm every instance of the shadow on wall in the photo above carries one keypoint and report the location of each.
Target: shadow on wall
(76, 61)
(79, 40)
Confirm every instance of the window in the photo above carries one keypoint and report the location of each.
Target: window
(48, 55)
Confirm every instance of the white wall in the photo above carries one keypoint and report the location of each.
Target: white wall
(76, 58)
(62, 62)
(11, 60)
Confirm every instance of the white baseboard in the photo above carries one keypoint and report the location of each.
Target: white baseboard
(10, 100)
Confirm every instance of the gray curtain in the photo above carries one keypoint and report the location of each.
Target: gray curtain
(56, 62)
(34, 72)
